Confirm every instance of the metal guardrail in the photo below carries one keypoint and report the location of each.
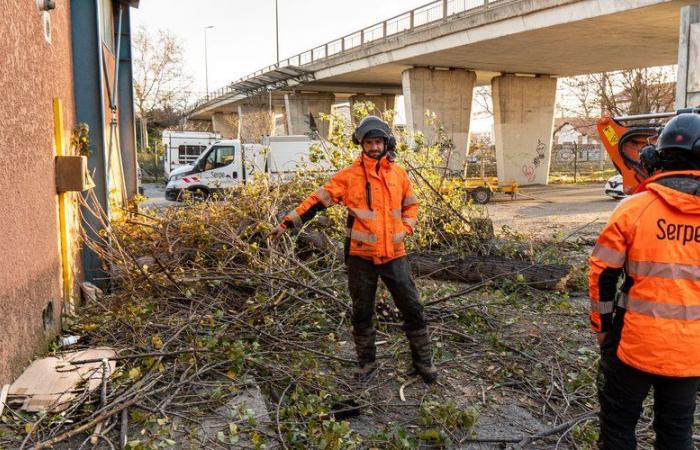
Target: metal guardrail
(408, 21)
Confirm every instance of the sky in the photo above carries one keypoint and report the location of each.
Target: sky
(243, 38)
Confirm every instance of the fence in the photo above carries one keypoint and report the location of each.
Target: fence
(567, 159)
(570, 159)
(151, 166)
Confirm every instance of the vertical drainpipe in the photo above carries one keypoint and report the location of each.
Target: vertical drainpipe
(127, 121)
(114, 105)
(86, 43)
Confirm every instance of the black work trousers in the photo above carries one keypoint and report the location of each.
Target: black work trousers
(363, 278)
(621, 391)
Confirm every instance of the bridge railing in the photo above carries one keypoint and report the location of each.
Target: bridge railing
(408, 21)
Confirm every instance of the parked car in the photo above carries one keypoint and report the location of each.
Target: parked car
(613, 188)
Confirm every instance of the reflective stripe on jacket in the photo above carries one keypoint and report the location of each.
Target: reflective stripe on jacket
(377, 233)
(654, 238)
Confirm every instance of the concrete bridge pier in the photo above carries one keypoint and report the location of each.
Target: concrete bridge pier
(298, 105)
(688, 87)
(226, 124)
(446, 93)
(382, 102)
(523, 109)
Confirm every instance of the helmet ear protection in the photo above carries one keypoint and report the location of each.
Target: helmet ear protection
(650, 159)
(391, 144)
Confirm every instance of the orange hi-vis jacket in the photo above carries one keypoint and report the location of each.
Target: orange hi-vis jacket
(375, 233)
(654, 237)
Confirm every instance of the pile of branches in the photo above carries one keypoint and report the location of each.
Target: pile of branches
(203, 307)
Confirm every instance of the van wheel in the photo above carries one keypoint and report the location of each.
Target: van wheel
(200, 194)
(481, 195)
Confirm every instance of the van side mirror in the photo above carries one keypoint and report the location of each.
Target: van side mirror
(234, 174)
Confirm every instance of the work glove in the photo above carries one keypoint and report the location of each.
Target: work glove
(277, 232)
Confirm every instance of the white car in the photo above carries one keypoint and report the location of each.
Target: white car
(613, 188)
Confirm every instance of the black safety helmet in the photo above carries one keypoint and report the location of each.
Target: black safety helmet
(371, 127)
(677, 148)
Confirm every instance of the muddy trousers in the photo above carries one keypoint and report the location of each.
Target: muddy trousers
(363, 278)
(622, 389)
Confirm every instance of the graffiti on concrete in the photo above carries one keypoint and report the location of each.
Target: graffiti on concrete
(529, 172)
(565, 154)
(540, 151)
(529, 169)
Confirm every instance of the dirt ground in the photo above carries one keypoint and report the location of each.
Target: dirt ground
(545, 211)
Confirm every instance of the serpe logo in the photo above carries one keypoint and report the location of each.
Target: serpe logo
(678, 232)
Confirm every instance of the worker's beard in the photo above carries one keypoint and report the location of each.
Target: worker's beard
(375, 154)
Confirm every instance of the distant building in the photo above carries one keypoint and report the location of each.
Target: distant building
(61, 60)
(581, 130)
(482, 137)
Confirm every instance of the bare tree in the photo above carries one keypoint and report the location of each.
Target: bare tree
(634, 91)
(483, 100)
(161, 82)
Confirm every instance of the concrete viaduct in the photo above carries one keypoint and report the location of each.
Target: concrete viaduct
(436, 54)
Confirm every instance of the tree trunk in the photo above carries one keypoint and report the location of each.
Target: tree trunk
(468, 269)
(474, 269)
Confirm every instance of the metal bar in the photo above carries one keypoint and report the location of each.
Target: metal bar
(362, 37)
(384, 29)
(444, 9)
(412, 19)
(655, 115)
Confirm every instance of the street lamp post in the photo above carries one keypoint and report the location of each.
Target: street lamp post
(277, 33)
(206, 63)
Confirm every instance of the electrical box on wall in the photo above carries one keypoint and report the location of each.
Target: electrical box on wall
(72, 174)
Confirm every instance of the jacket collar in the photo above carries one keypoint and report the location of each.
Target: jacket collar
(371, 164)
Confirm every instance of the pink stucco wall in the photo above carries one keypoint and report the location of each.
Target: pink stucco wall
(33, 72)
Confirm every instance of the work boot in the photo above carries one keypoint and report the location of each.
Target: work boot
(422, 354)
(366, 352)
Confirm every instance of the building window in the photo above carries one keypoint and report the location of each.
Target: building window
(107, 23)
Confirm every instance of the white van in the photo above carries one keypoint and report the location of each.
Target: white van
(184, 147)
(221, 166)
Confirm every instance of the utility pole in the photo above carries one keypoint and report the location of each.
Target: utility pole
(206, 62)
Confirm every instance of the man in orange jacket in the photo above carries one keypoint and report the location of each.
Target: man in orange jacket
(382, 210)
(649, 329)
